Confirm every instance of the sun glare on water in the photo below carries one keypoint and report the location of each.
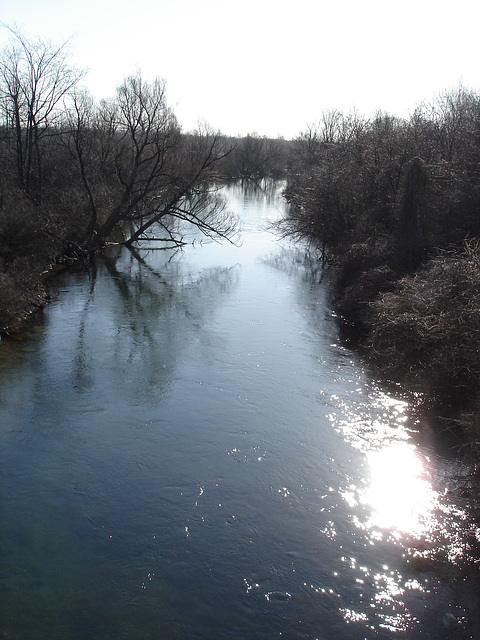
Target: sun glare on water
(399, 492)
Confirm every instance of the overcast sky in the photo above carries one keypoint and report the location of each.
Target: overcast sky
(266, 66)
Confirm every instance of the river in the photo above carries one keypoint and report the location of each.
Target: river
(188, 452)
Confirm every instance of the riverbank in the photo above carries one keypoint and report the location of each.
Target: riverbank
(421, 330)
(22, 292)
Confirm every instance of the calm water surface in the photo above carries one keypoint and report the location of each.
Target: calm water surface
(186, 451)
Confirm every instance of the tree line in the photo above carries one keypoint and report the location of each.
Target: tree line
(77, 174)
(393, 205)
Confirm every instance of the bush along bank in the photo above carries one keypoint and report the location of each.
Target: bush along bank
(394, 208)
(425, 332)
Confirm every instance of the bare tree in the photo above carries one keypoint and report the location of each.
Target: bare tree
(153, 175)
(35, 76)
(189, 196)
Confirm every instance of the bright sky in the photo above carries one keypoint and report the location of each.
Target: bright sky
(266, 66)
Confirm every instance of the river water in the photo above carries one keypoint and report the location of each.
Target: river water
(188, 452)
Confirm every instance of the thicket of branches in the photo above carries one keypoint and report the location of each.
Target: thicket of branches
(256, 157)
(394, 206)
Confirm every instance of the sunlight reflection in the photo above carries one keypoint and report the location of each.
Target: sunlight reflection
(367, 422)
(400, 500)
(399, 493)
